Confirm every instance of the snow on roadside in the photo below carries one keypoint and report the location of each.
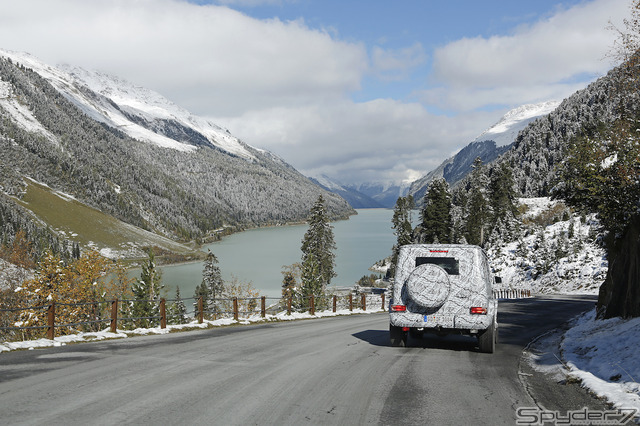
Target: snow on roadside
(559, 258)
(106, 334)
(603, 354)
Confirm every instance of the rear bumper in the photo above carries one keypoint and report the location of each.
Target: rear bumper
(437, 321)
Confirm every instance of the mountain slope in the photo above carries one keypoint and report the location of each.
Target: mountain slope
(181, 177)
(506, 130)
(355, 198)
(386, 194)
(458, 166)
(489, 145)
(542, 145)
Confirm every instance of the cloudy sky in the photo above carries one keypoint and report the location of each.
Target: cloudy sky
(359, 90)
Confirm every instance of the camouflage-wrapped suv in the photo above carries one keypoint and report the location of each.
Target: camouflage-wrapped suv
(443, 288)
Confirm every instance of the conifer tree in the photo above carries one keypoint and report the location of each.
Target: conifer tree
(401, 224)
(212, 280)
(318, 245)
(146, 292)
(177, 311)
(201, 291)
(477, 207)
(503, 200)
(436, 221)
(291, 275)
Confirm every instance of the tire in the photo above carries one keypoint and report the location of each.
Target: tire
(487, 340)
(397, 336)
(428, 286)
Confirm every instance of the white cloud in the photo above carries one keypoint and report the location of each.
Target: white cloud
(394, 64)
(210, 59)
(285, 86)
(373, 141)
(550, 58)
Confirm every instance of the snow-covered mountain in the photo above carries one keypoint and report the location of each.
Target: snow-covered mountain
(384, 193)
(132, 154)
(488, 146)
(505, 131)
(139, 112)
(355, 198)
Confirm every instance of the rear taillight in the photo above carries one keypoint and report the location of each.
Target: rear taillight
(479, 311)
(398, 308)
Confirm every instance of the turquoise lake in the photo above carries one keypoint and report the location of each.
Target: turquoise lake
(258, 255)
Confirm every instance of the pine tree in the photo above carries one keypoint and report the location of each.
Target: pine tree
(201, 291)
(477, 208)
(436, 222)
(401, 224)
(503, 200)
(291, 274)
(318, 245)
(146, 292)
(312, 281)
(177, 311)
(212, 280)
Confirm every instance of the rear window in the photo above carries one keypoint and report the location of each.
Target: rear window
(449, 264)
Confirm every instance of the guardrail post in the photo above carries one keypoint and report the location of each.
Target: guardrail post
(382, 301)
(363, 297)
(334, 302)
(200, 310)
(51, 318)
(263, 306)
(289, 306)
(114, 315)
(312, 305)
(350, 301)
(163, 313)
(235, 308)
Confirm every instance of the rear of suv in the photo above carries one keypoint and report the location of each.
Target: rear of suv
(444, 289)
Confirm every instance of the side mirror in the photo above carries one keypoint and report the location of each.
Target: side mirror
(498, 280)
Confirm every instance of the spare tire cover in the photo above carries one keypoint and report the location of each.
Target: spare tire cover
(428, 286)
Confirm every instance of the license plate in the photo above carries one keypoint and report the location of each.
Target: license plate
(439, 319)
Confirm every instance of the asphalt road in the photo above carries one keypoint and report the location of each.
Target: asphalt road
(327, 371)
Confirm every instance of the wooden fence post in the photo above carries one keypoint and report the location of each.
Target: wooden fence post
(350, 301)
(200, 310)
(163, 313)
(263, 306)
(363, 297)
(382, 301)
(235, 308)
(289, 306)
(334, 302)
(114, 315)
(312, 305)
(51, 319)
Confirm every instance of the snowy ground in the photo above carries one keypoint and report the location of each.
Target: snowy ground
(601, 354)
(560, 258)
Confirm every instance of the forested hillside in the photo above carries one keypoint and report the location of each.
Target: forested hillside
(542, 145)
(182, 194)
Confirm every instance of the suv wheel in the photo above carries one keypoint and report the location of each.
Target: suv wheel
(398, 337)
(487, 340)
